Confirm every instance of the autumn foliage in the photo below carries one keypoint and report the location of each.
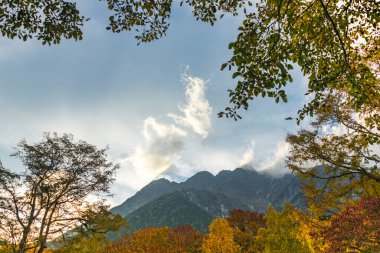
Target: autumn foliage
(356, 228)
(158, 240)
(220, 238)
(245, 225)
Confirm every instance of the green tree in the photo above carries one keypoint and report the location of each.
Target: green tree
(47, 21)
(319, 36)
(282, 232)
(50, 21)
(220, 239)
(335, 43)
(50, 197)
(91, 235)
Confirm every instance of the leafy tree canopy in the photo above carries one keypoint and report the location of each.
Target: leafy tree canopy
(245, 225)
(347, 147)
(50, 197)
(335, 43)
(356, 228)
(182, 239)
(220, 238)
(282, 232)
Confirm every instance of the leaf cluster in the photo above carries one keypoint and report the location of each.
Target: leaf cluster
(48, 21)
(321, 38)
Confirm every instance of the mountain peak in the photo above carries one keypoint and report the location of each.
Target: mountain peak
(201, 180)
(160, 181)
(245, 169)
(201, 174)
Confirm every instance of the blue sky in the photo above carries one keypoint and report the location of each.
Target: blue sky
(155, 105)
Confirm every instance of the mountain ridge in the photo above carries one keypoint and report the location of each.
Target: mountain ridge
(163, 202)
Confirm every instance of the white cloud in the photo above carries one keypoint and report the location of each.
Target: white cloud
(248, 156)
(197, 110)
(275, 164)
(163, 144)
(162, 147)
(212, 158)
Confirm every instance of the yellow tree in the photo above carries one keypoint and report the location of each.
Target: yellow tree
(282, 233)
(310, 231)
(220, 238)
(346, 144)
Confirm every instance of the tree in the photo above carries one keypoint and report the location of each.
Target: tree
(51, 196)
(345, 144)
(185, 239)
(356, 228)
(322, 38)
(48, 21)
(282, 232)
(148, 240)
(155, 240)
(245, 225)
(92, 235)
(310, 228)
(220, 239)
(335, 43)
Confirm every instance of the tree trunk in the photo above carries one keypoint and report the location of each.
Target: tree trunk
(42, 247)
(22, 245)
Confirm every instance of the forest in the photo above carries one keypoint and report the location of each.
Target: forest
(58, 202)
(354, 229)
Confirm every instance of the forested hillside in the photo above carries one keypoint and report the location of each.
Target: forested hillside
(204, 197)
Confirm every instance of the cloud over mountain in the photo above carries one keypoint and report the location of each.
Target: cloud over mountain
(275, 164)
(163, 143)
(162, 147)
(247, 160)
(196, 112)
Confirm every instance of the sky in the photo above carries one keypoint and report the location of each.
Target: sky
(155, 105)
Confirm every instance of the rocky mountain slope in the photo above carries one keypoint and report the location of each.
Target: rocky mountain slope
(204, 196)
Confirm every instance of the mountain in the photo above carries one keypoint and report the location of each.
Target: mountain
(204, 196)
(186, 206)
(202, 180)
(150, 192)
